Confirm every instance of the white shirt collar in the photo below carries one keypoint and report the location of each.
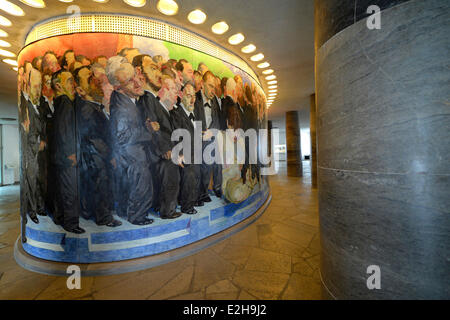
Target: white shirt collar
(205, 100)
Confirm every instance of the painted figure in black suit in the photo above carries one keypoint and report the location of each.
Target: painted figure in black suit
(151, 79)
(64, 156)
(207, 111)
(94, 153)
(219, 98)
(47, 173)
(183, 118)
(129, 140)
(35, 145)
(168, 166)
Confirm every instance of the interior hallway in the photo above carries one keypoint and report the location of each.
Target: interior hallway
(277, 257)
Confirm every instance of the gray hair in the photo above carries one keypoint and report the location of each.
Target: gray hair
(113, 65)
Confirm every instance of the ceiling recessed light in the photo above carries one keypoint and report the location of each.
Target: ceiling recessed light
(34, 3)
(236, 39)
(272, 94)
(3, 34)
(167, 7)
(4, 44)
(271, 77)
(268, 71)
(257, 57)
(133, 3)
(273, 87)
(7, 53)
(99, 1)
(5, 22)
(273, 90)
(15, 69)
(263, 65)
(11, 8)
(66, 1)
(10, 62)
(272, 82)
(197, 16)
(220, 27)
(248, 48)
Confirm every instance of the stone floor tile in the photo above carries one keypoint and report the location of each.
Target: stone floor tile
(177, 285)
(236, 254)
(222, 290)
(268, 261)
(210, 268)
(302, 267)
(244, 295)
(58, 290)
(263, 285)
(302, 288)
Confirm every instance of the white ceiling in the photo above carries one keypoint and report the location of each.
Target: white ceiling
(283, 30)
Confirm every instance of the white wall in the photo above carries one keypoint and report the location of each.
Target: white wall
(10, 135)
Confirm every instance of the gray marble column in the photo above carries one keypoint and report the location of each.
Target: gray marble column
(383, 120)
(293, 145)
(312, 133)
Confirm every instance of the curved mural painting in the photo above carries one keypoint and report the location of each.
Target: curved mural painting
(100, 180)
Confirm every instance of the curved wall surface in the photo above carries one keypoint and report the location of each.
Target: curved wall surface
(383, 152)
(74, 167)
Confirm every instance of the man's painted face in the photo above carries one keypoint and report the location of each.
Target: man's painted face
(70, 58)
(188, 99)
(102, 61)
(85, 62)
(219, 92)
(169, 92)
(47, 86)
(209, 87)
(153, 74)
(198, 82)
(84, 75)
(52, 64)
(188, 73)
(67, 85)
(39, 63)
(35, 86)
(130, 82)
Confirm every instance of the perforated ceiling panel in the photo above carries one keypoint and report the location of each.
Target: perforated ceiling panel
(136, 26)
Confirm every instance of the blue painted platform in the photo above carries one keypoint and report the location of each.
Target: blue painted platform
(103, 244)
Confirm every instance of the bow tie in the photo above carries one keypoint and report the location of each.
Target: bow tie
(191, 117)
(207, 105)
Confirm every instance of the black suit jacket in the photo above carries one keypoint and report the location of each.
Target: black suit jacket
(129, 136)
(149, 103)
(199, 112)
(166, 128)
(222, 114)
(92, 128)
(182, 121)
(35, 134)
(228, 103)
(64, 141)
